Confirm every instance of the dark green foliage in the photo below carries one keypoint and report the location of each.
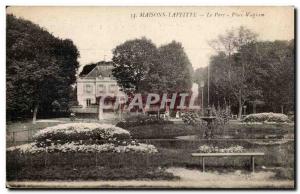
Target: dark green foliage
(285, 173)
(267, 117)
(172, 153)
(40, 68)
(141, 120)
(88, 166)
(273, 64)
(132, 61)
(141, 67)
(163, 131)
(94, 136)
(55, 173)
(190, 118)
(178, 77)
(223, 114)
(250, 71)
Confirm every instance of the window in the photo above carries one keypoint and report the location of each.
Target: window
(88, 88)
(88, 102)
(101, 88)
(112, 88)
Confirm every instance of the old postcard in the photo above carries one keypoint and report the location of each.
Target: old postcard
(150, 97)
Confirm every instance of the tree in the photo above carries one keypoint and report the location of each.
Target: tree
(172, 72)
(257, 71)
(175, 68)
(273, 63)
(220, 91)
(40, 67)
(141, 67)
(236, 75)
(132, 61)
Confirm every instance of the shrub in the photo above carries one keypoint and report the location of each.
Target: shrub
(222, 118)
(190, 118)
(139, 120)
(222, 114)
(92, 132)
(284, 173)
(266, 117)
(56, 173)
(163, 131)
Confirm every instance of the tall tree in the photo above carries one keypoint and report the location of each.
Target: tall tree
(273, 63)
(40, 67)
(140, 67)
(236, 75)
(178, 77)
(132, 61)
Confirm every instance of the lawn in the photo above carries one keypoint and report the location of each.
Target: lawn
(89, 166)
(21, 132)
(173, 152)
(163, 131)
(233, 130)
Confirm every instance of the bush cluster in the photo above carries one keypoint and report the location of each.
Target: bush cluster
(140, 120)
(84, 138)
(266, 117)
(222, 114)
(190, 118)
(81, 132)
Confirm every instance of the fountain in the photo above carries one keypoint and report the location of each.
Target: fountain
(209, 119)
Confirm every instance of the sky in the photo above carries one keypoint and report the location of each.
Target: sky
(96, 31)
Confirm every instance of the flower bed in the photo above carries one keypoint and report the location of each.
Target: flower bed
(215, 149)
(83, 138)
(266, 117)
(32, 148)
(92, 132)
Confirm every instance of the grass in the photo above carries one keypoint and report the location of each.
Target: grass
(22, 131)
(233, 130)
(172, 152)
(259, 131)
(163, 131)
(91, 173)
(84, 166)
(27, 125)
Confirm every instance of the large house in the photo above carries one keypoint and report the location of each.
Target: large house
(94, 81)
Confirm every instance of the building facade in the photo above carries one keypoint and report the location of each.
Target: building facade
(94, 81)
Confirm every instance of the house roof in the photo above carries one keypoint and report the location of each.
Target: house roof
(100, 69)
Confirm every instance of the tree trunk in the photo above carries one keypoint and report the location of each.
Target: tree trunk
(254, 107)
(120, 112)
(240, 108)
(35, 110)
(100, 110)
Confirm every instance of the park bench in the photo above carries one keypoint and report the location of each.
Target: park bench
(247, 154)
